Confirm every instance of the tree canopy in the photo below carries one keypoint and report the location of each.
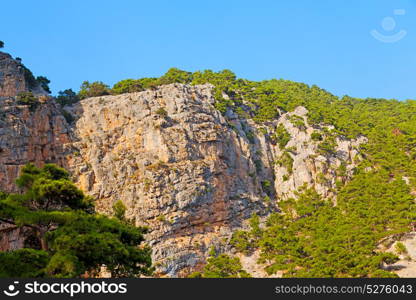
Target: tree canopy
(221, 266)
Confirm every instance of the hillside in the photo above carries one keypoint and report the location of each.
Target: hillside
(290, 179)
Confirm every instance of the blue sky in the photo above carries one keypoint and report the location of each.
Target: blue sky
(323, 42)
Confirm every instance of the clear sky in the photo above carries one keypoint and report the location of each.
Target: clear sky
(323, 42)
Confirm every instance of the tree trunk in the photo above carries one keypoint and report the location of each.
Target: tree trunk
(42, 239)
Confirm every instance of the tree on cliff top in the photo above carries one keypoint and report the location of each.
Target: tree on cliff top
(93, 89)
(1, 44)
(67, 97)
(65, 237)
(44, 83)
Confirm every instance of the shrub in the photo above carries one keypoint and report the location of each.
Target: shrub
(149, 82)
(67, 97)
(27, 98)
(119, 210)
(222, 266)
(316, 136)
(162, 112)
(267, 186)
(44, 83)
(29, 78)
(258, 164)
(298, 122)
(68, 116)
(161, 218)
(282, 136)
(221, 105)
(400, 248)
(93, 89)
(175, 75)
(286, 161)
(250, 137)
(127, 86)
(24, 263)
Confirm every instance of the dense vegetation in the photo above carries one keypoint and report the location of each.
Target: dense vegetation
(221, 266)
(64, 237)
(314, 238)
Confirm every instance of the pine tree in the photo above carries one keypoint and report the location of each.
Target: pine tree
(68, 239)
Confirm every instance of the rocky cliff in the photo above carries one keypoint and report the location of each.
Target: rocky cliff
(182, 168)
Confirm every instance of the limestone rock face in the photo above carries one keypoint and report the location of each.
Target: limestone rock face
(174, 162)
(27, 136)
(190, 174)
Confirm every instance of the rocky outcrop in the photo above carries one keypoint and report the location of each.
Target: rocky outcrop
(310, 166)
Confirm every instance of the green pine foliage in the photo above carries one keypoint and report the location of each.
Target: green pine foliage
(221, 266)
(281, 136)
(26, 262)
(316, 136)
(286, 161)
(65, 237)
(298, 122)
(93, 89)
(174, 75)
(400, 248)
(119, 210)
(127, 86)
(315, 238)
(67, 97)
